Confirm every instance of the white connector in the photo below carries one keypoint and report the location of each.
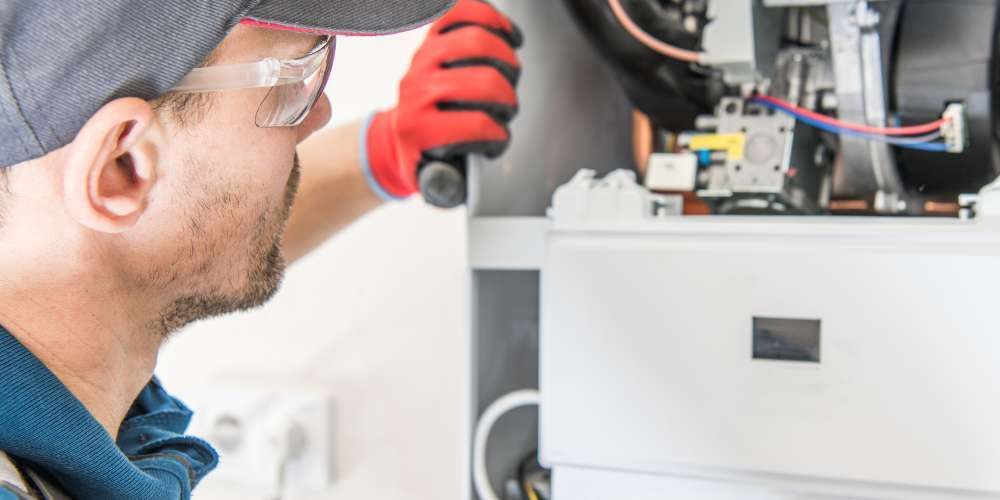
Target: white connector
(672, 172)
(955, 130)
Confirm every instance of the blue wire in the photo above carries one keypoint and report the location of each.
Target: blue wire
(936, 147)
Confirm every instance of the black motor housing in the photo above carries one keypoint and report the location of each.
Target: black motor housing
(947, 51)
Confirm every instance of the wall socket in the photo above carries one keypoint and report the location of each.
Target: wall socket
(275, 439)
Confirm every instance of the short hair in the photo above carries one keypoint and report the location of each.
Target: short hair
(185, 109)
(189, 108)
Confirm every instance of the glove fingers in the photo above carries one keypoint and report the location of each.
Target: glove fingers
(510, 73)
(466, 47)
(477, 84)
(452, 128)
(513, 38)
(500, 113)
(491, 150)
(478, 13)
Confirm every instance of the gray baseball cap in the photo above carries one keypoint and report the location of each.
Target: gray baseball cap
(61, 60)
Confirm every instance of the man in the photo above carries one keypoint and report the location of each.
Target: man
(141, 192)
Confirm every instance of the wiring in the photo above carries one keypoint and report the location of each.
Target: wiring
(806, 113)
(528, 480)
(651, 41)
(499, 408)
(922, 143)
(809, 117)
(827, 124)
(530, 492)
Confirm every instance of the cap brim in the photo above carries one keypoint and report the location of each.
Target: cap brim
(348, 17)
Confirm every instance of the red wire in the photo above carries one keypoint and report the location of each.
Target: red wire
(910, 130)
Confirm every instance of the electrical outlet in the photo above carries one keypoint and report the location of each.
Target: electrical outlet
(274, 439)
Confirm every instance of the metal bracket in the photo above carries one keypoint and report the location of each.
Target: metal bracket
(869, 167)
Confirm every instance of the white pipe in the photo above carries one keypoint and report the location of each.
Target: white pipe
(516, 399)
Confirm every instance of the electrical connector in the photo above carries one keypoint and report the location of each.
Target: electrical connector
(955, 129)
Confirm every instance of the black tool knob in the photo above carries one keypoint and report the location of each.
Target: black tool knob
(442, 183)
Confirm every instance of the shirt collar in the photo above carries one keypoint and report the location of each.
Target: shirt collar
(43, 424)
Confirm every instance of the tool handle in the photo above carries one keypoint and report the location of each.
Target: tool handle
(442, 182)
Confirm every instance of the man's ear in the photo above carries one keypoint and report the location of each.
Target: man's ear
(111, 166)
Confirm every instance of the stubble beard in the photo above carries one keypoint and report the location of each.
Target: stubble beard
(266, 269)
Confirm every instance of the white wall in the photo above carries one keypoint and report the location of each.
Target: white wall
(376, 317)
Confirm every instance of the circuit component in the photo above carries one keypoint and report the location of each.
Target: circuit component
(858, 87)
(758, 161)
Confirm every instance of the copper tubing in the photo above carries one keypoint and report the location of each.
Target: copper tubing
(849, 206)
(942, 208)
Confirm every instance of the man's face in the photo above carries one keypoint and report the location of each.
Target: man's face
(210, 239)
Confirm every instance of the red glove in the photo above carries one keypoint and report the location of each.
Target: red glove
(457, 99)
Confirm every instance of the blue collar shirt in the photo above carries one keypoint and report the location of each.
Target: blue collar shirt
(44, 426)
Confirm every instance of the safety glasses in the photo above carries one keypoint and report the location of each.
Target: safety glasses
(295, 84)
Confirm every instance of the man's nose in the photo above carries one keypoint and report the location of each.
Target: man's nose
(318, 117)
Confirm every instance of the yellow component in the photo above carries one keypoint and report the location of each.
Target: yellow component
(732, 144)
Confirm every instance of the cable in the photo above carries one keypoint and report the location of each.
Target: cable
(802, 112)
(531, 492)
(805, 115)
(921, 143)
(651, 41)
(522, 475)
(480, 477)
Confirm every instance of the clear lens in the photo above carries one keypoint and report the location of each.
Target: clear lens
(288, 105)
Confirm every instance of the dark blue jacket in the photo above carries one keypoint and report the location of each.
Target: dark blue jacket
(43, 426)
